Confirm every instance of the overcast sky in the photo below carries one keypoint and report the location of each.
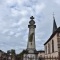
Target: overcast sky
(15, 17)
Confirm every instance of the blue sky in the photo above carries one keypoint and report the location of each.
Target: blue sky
(15, 17)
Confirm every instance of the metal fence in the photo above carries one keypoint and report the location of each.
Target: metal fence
(49, 58)
(42, 58)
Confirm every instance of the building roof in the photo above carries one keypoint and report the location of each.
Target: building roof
(53, 34)
(2, 51)
(54, 26)
(41, 51)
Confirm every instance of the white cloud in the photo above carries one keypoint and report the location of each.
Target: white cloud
(39, 7)
(14, 12)
(4, 31)
(17, 34)
(57, 1)
(23, 12)
(14, 24)
(11, 33)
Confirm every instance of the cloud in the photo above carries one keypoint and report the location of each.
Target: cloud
(39, 8)
(11, 33)
(4, 31)
(15, 17)
(18, 34)
(57, 1)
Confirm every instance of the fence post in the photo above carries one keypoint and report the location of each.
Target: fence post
(50, 58)
(58, 58)
(47, 57)
(55, 58)
(44, 57)
(59, 55)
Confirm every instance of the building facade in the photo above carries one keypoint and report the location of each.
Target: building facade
(41, 53)
(52, 45)
(7, 56)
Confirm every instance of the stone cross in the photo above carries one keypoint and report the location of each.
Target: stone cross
(31, 17)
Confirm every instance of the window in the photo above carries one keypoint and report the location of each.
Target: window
(52, 46)
(58, 42)
(48, 48)
(58, 34)
(40, 55)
